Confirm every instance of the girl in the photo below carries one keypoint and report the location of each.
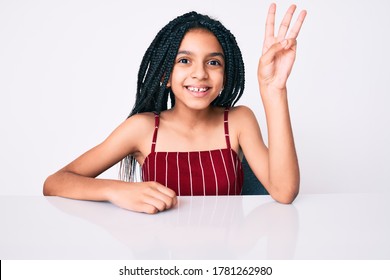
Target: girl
(192, 147)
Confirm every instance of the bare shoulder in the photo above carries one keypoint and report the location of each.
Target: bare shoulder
(140, 122)
(242, 124)
(241, 115)
(132, 132)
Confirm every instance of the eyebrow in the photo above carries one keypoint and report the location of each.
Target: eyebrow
(213, 54)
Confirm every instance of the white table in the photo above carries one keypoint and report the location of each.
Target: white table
(333, 226)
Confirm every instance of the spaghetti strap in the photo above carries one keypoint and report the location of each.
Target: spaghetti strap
(226, 127)
(156, 124)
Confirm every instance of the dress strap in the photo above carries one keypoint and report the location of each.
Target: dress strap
(226, 126)
(156, 124)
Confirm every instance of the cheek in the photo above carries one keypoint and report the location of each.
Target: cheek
(220, 76)
(177, 75)
(177, 79)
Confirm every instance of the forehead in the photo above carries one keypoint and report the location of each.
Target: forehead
(200, 40)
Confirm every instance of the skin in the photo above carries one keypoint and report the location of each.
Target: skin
(193, 125)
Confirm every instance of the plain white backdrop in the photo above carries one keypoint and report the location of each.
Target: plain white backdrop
(68, 78)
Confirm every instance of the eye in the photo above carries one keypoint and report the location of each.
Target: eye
(183, 60)
(214, 63)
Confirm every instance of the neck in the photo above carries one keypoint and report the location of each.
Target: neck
(190, 117)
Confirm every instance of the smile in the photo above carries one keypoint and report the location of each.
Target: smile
(197, 89)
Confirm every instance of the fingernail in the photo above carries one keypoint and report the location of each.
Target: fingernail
(284, 43)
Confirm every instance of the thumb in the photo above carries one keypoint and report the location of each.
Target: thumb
(269, 55)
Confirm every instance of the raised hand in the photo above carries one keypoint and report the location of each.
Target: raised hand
(279, 51)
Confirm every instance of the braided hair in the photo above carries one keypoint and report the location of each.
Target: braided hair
(157, 64)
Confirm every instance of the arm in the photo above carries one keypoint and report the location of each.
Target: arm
(278, 170)
(77, 179)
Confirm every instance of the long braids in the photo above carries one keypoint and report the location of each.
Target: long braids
(157, 64)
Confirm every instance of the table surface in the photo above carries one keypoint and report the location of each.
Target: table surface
(326, 226)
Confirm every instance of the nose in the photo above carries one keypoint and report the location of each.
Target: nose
(199, 71)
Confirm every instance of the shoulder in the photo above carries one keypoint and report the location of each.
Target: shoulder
(130, 136)
(140, 120)
(240, 114)
(243, 121)
(135, 128)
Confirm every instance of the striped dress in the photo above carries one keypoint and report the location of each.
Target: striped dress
(214, 172)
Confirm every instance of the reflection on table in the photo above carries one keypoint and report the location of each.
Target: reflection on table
(243, 227)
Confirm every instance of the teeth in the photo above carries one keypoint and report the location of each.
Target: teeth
(195, 89)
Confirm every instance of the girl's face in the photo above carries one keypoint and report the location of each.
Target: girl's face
(198, 74)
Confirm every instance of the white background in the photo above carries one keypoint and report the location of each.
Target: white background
(68, 78)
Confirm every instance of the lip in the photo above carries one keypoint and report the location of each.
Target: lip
(198, 90)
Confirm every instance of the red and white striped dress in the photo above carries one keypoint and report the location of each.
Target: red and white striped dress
(214, 172)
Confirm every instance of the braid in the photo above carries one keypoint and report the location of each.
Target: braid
(156, 67)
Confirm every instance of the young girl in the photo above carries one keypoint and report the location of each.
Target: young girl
(193, 146)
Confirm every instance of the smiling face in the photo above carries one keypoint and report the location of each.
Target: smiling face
(198, 73)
